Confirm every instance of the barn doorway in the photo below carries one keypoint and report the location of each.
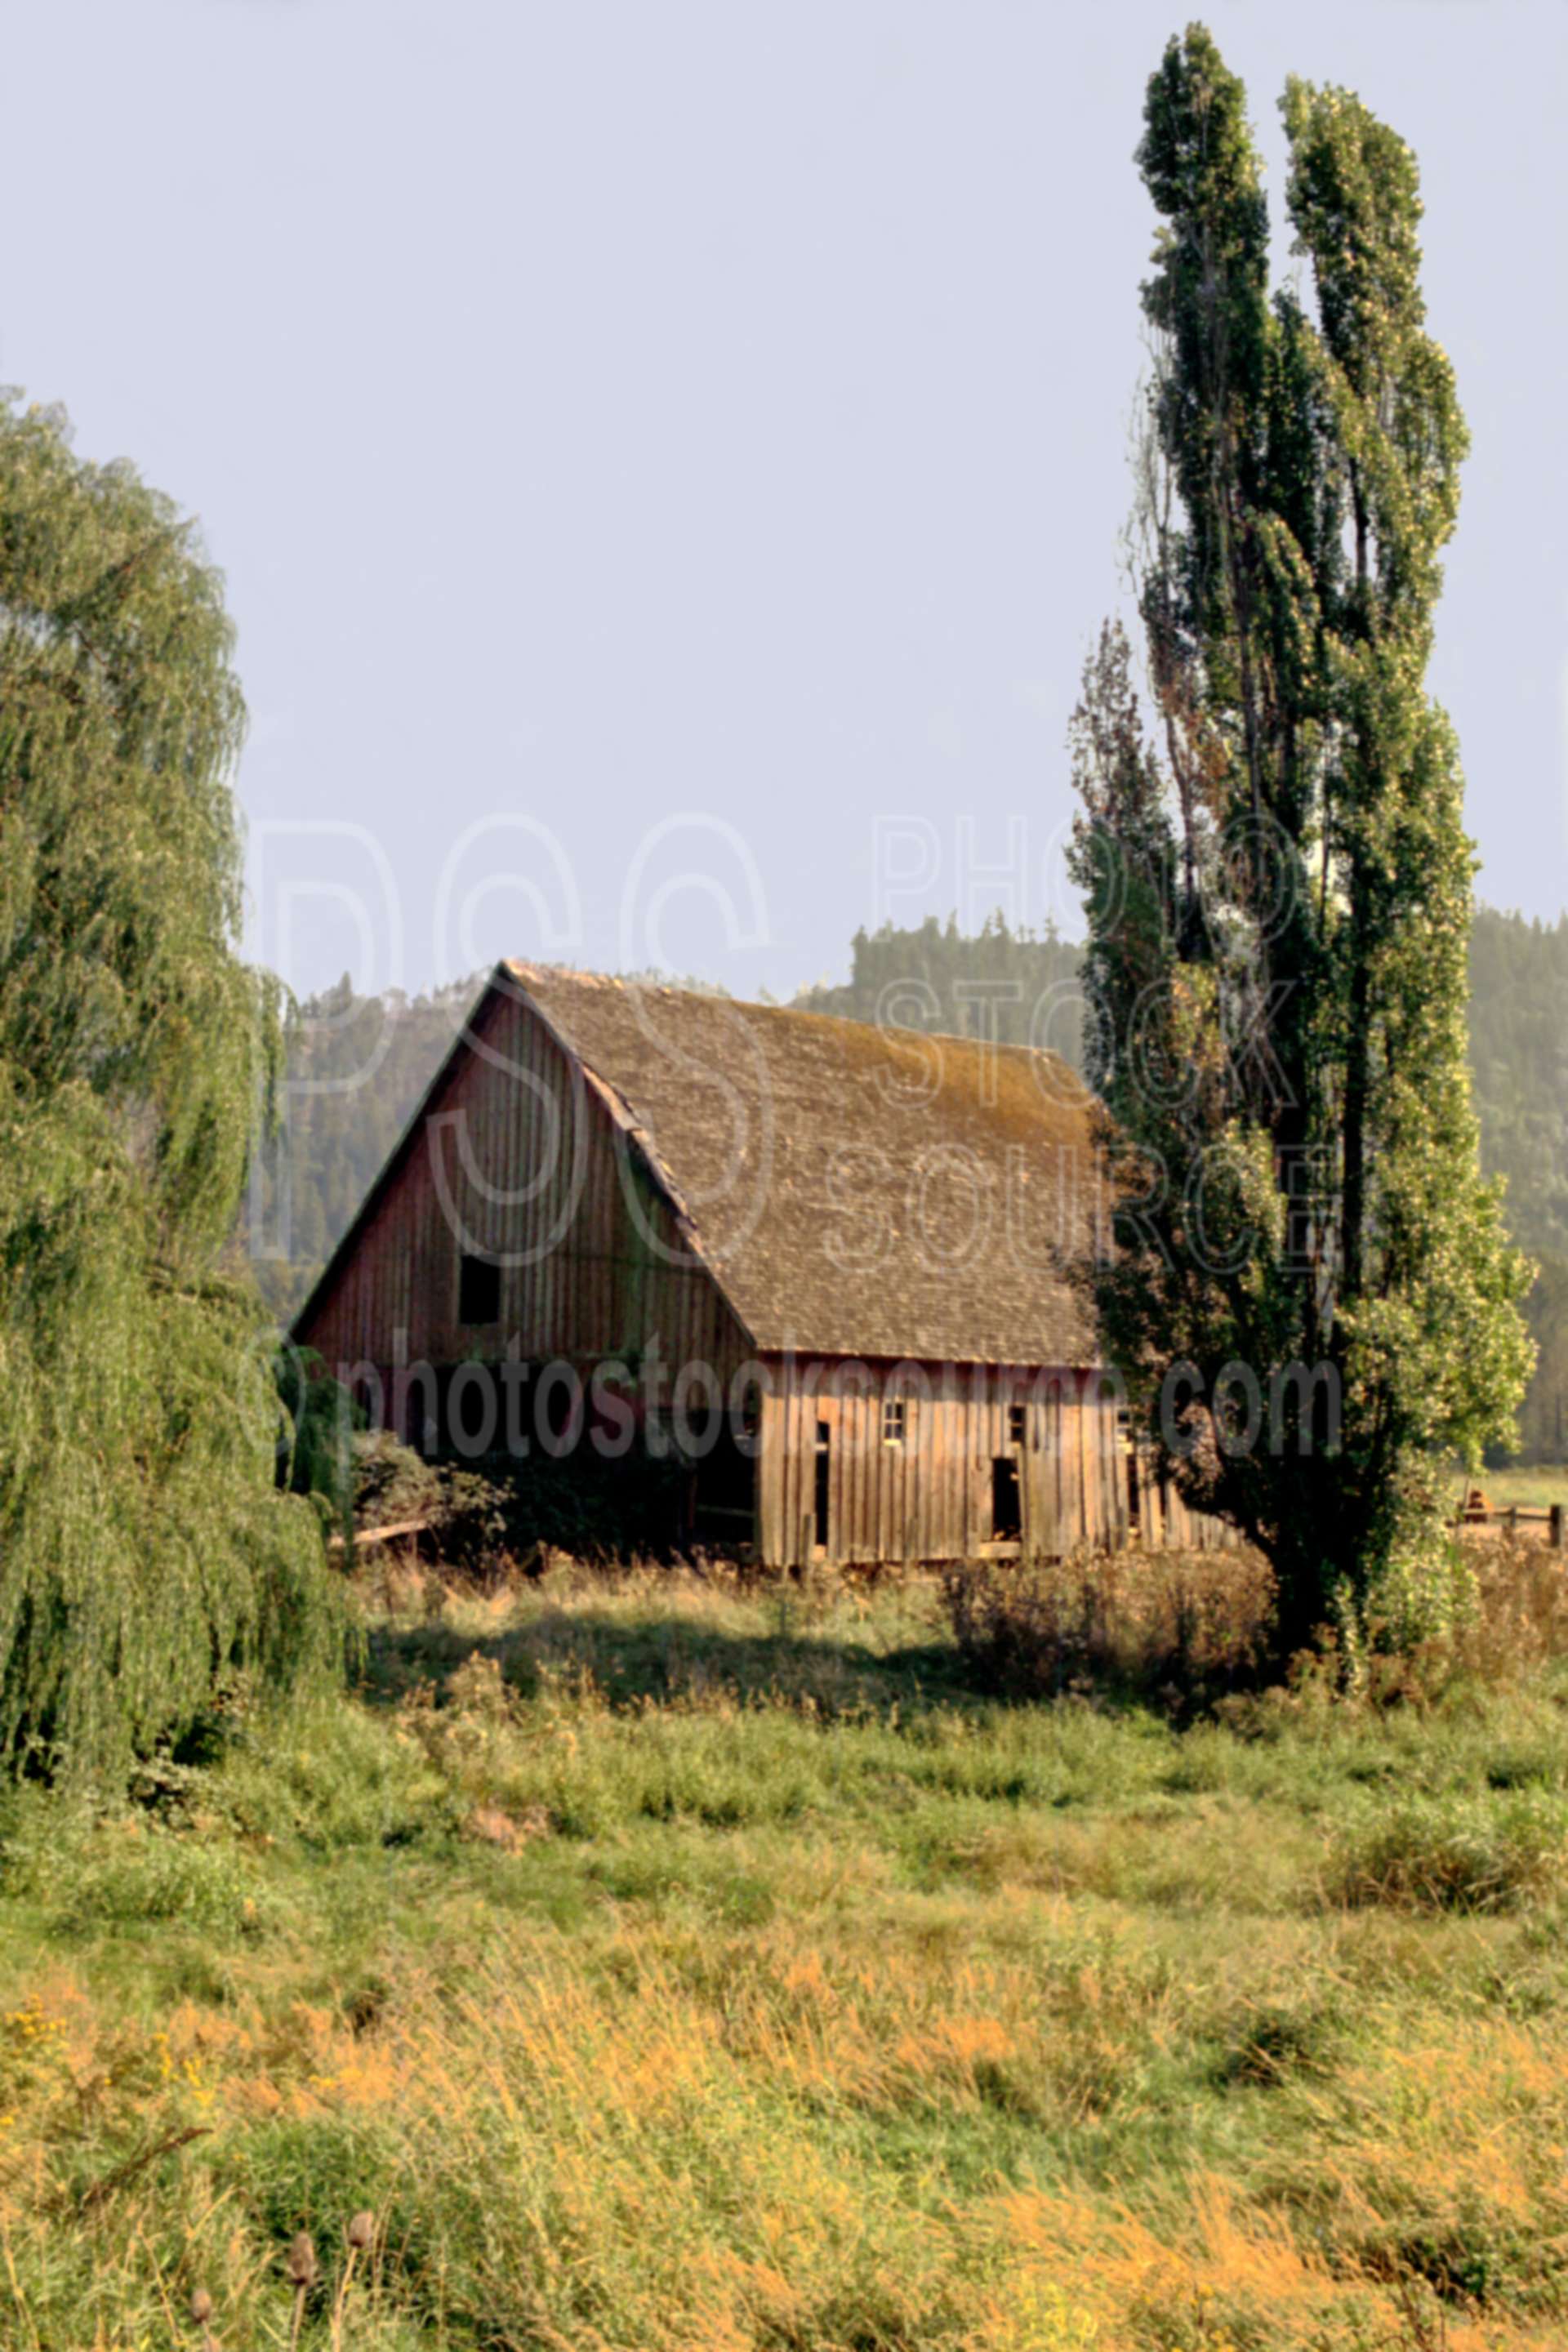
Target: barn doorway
(1128, 1441)
(824, 1484)
(1006, 1500)
(727, 1492)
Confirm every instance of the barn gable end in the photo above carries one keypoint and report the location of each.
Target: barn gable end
(517, 1155)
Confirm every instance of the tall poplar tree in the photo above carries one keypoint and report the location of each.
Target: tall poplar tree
(1279, 878)
(145, 1557)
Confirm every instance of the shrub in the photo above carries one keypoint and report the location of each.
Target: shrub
(469, 1518)
(126, 1871)
(1179, 1627)
(1452, 1854)
(1516, 1618)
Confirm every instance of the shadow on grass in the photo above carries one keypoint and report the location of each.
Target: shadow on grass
(665, 1660)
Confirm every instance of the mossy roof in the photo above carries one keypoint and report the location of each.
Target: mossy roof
(856, 1191)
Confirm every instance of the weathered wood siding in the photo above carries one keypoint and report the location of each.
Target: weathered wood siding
(520, 1157)
(1167, 1523)
(929, 1497)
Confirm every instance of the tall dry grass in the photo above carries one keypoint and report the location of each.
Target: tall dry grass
(666, 1966)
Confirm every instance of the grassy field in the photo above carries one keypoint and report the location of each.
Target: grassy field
(1536, 1489)
(672, 1969)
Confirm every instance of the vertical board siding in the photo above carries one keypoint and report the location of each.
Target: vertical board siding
(930, 1498)
(519, 1159)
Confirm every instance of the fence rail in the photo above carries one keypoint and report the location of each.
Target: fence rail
(1513, 1517)
(380, 1535)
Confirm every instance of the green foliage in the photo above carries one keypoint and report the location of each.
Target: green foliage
(1519, 1070)
(152, 1873)
(316, 1443)
(1279, 897)
(145, 1557)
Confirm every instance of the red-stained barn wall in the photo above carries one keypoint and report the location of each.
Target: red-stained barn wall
(520, 1158)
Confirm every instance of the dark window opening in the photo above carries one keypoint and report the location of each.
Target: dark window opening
(1018, 1425)
(823, 1458)
(479, 1290)
(1006, 1500)
(892, 1420)
(1127, 1438)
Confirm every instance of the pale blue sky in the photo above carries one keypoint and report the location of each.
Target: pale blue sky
(613, 415)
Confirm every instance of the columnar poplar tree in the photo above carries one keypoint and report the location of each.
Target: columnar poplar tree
(1279, 881)
(144, 1554)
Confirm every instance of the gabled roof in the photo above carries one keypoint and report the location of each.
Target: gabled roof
(856, 1191)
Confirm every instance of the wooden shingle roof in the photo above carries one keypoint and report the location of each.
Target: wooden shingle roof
(856, 1191)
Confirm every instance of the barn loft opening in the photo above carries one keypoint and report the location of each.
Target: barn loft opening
(1017, 1424)
(479, 1290)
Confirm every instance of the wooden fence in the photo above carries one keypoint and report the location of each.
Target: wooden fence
(1516, 1519)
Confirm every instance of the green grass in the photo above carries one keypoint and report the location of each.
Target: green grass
(674, 1969)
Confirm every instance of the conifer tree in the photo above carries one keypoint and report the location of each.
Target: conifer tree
(1280, 884)
(145, 1557)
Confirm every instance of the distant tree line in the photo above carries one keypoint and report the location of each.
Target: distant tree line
(368, 1059)
(1519, 1067)
(1019, 987)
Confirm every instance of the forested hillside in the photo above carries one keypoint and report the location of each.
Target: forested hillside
(1019, 987)
(1518, 1054)
(358, 1065)
(1518, 1058)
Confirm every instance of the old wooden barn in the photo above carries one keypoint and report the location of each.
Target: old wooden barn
(823, 1264)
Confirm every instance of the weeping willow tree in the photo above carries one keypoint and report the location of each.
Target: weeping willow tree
(145, 1555)
(1280, 884)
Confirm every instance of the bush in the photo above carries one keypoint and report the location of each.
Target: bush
(1503, 1620)
(1453, 1854)
(468, 1518)
(1180, 1627)
(126, 1871)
